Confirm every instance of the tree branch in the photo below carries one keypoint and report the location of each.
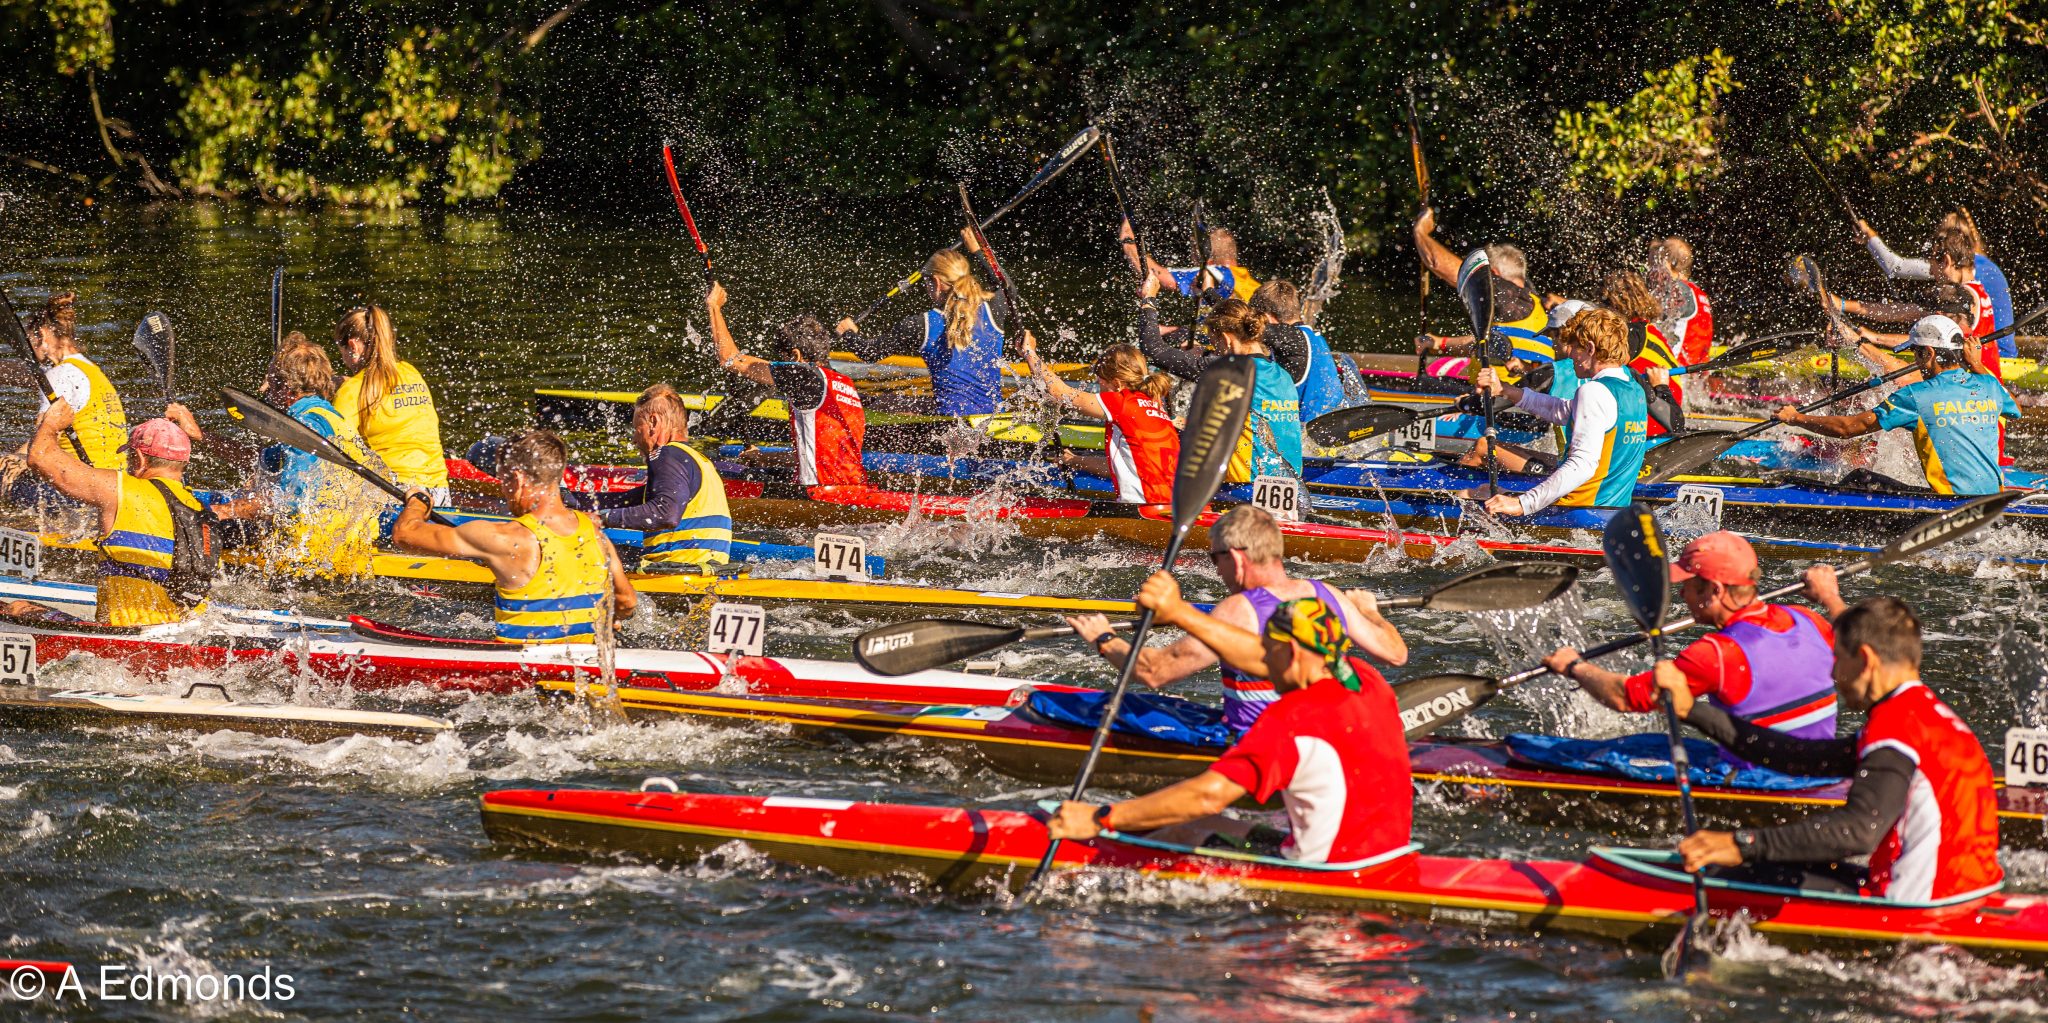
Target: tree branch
(548, 24)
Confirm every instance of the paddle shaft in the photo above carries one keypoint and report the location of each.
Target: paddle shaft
(1422, 189)
(995, 266)
(1486, 399)
(675, 187)
(1123, 205)
(1827, 181)
(19, 335)
(1681, 767)
(276, 321)
(1202, 255)
(320, 447)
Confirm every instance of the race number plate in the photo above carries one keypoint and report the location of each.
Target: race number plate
(1707, 497)
(737, 629)
(17, 659)
(1278, 495)
(1418, 434)
(21, 554)
(2026, 756)
(840, 556)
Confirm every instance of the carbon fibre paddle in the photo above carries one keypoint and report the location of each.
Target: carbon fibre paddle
(270, 424)
(18, 337)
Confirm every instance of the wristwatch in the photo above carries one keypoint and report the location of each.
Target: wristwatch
(1745, 844)
(1104, 638)
(1102, 817)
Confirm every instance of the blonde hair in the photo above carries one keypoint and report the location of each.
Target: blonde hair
(1677, 256)
(1251, 530)
(371, 325)
(1960, 220)
(300, 368)
(964, 300)
(1122, 365)
(1624, 292)
(1601, 328)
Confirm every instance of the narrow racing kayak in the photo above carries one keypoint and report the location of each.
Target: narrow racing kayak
(1618, 893)
(43, 707)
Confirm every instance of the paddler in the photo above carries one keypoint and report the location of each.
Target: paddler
(960, 338)
(388, 401)
(1225, 275)
(1141, 447)
(100, 423)
(1986, 272)
(1331, 746)
(1922, 802)
(1271, 445)
(1326, 381)
(552, 567)
(826, 420)
(682, 507)
(1608, 419)
(1249, 554)
(155, 554)
(1769, 664)
(1954, 413)
(1651, 358)
(1519, 315)
(1687, 317)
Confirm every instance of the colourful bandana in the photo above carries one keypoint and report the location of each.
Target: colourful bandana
(1312, 624)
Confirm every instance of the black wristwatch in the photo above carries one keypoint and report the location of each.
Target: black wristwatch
(1102, 817)
(1104, 638)
(1745, 844)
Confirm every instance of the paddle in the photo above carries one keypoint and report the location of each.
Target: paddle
(18, 336)
(157, 342)
(1807, 269)
(1760, 350)
(270, 424)
(1354, 424)
(1217, 415)
(1684, 453)
(276, 317)
(675, 187)
(907, 647)
(1016, 324)
(1431, 702)
(1200, 230)
(1123, 205)
(1052, 168)
(1825, 180)
(1475, 289)
(1422, 189)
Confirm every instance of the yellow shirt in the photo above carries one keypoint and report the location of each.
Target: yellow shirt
(403, 428)
(135, 556)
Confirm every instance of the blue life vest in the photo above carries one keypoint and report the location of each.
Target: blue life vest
(965, 381)
(1331, 383)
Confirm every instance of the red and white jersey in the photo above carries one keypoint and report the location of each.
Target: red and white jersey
(1143, 447)
(1980, 321)
(1339, 759)
(1689, 322)
(1946, 843)
(828, 435)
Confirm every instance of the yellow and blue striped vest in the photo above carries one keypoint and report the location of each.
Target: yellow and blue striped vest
(563, 600)
(135, 556)
(1526, 340)
(703, 536)
(102, 425)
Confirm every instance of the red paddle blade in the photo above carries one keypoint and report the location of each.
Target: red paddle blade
(675, 186)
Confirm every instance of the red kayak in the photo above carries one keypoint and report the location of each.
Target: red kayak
(1621, 893)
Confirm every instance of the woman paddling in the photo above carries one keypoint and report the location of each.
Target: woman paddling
(101, 425)
(1650, 354)
(960, 337)
(388, 402)
(1271, 445)
(1141, 445)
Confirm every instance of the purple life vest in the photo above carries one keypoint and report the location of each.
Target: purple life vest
(1244, 697)
(1791, 682)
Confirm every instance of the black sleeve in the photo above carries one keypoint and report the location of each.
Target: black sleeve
(672, 479)
(1818, 758)
(1290, 350)
(1168, 358)
(1663, 406)
(905, 338)
(800, 384)
(1877, 798)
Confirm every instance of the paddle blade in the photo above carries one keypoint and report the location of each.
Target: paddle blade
(1504, 587)
(1053, 167)
(273, 425)
(1948, 527)
(1475, 289)
(907, 647)
(1686, 452)
(1642, 571)
(1760, 350)
(1433, 701)
(155, 339)
(1217, 415)
(1357, 423)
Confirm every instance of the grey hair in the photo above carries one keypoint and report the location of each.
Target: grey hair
(1251, 530)
(1508, 261)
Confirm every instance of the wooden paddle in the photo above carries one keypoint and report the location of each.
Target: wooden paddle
(1433, 701)
(18, 337)
(907, 647)
(157, 342)
(1475, 289)
(1217, 415)
(270, 424)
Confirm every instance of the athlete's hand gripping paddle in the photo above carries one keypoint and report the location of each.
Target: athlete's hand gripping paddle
(1475, 289)
(1217, 415)
(270, 424)
(1687, 452)
(18, 337)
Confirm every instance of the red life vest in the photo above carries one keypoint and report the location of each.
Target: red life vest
(1946, 843)
(1693, 328)
(1980, 323)
(828, 438)
(1143, 447)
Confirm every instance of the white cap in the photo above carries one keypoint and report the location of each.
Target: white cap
(1563, 312)
(1936, 331)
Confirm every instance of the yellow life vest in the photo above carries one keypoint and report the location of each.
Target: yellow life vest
(403, 427)
(561, 603)
(135, 556)
(329, 529)
(101, 425)
(703, 536)
(1526, 340)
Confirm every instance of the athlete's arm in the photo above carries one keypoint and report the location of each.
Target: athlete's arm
(507, 548)
(625, 600)
(1237, 648)
(1595, 413)
(1820, 758)
(1371, 631)
(1290, 349)
(1159, 666)
(672, 479)
(1059, 390)
(1441, 261)
(1190, 799)
(729, 354)
(1895, 266)
(1827, 426)
(52, 456)
(906, 337)
(1172, 359)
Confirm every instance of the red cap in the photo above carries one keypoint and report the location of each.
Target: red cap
(1722, 557)
(160, 438)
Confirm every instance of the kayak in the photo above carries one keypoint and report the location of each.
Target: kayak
(1020, 743)
(25, 707)
(367, 654)
(1627, 894)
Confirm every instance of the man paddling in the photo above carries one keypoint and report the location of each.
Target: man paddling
(1764, 663)
(1248, 550)
(1921, 802)
(1325, 382)
(1330, 746)
(1608, 417)
(682, 507)
(1519, 315)
(1688, 318)
(1224, 274)
(1954, 413)
(826, 420)
(551, 566)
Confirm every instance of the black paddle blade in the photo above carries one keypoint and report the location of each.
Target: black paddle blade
(1505, 587)
(1433, 701)
(273, 425)
(17, 335)
(1357, 423)
(1475, 289)
(1217, 415)
(1686, 452)
(155, 340)
(1949, 526)
(907, 647)
(1760, 350)
(1642, 571)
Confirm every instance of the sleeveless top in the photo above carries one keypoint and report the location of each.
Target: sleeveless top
(965, 381)
(828, 438)
(402, 428)
(562, 602)
(1621, 451)
(1271, 445)
(703, 535)
(1331, 383)
(135, 556)
(1691, 324)
(1143, 447)
(1792, 686)
(102, 425)
(1244, 697)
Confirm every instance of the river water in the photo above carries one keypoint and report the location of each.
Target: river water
(358, 867)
